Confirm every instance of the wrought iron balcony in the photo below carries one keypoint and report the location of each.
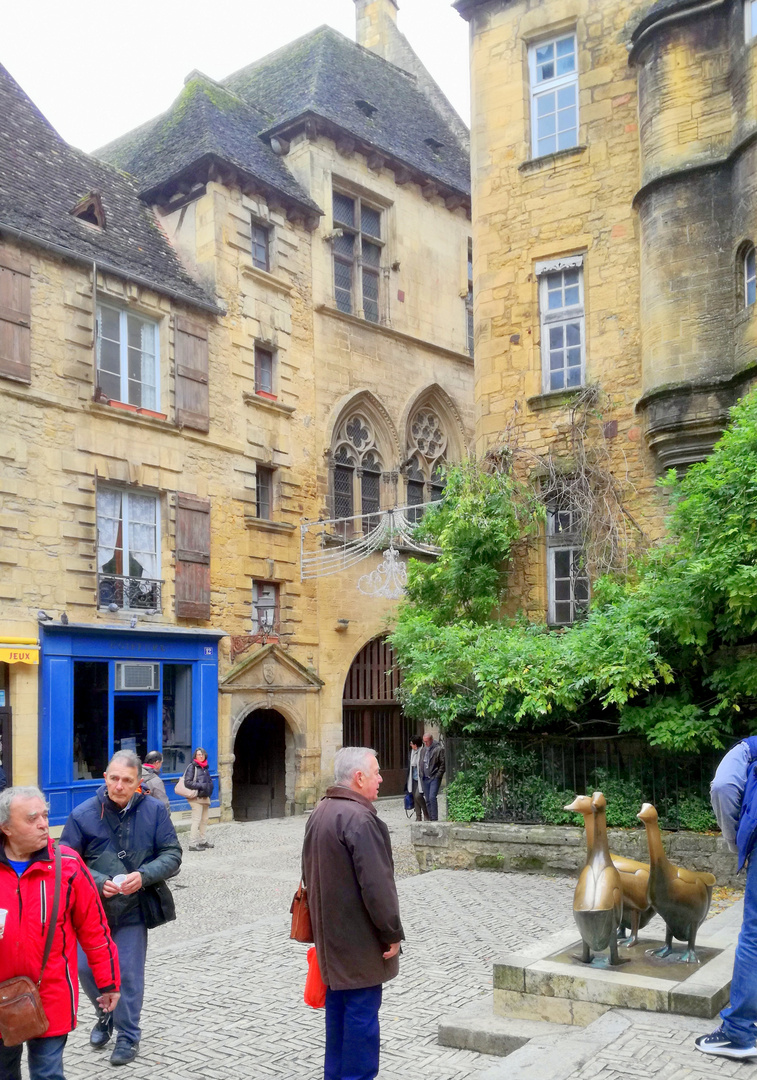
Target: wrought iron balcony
(129, 593)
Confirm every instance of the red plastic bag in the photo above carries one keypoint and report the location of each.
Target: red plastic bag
(315, 987)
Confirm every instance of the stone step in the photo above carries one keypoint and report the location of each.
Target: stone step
(477, 1027)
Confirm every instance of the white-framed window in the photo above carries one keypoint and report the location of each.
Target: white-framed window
(750, 19)
(127, 357)
(553, 71)
(261, 242)
(469, 326)
(561, 314)
(567, 580)
(128, 549)
(750, 276)
(263, 492)
(264, 371)
(357, 246)
(265, 607)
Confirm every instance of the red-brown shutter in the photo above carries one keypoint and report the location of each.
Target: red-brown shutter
(192, 557)
(191, 351)
(15, 318)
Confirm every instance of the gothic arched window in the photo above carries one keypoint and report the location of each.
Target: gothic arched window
(426, 451)
(357, 471)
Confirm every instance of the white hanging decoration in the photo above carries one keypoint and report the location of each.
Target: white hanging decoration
(388, 580)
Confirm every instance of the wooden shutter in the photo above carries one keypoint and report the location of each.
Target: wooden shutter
(15, 318)
(191, 345)
(192, 557)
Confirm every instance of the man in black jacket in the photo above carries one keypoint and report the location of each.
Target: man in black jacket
(431, 770)
(127, 840)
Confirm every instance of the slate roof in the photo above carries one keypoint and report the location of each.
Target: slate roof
(649, 14)
(42, 178)
(324, 73)
(205, 121)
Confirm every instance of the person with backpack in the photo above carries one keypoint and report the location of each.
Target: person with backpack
(734, 799)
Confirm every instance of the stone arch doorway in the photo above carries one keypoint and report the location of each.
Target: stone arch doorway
(263, 767)
(371, 714)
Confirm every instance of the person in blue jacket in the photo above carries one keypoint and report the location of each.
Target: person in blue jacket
(128, 842)
(736, 1036)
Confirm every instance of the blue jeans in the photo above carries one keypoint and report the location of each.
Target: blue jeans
(740, 1017)
(44, 1058)
(352, 1034)
(131, 942)
(430, 791)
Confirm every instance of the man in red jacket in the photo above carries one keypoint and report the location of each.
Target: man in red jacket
(27, 892)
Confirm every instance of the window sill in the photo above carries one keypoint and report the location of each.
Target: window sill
(553, 399)
(265, 277)
(535, 164)
(110, 403)
(389, 331)
(265, 394)
(268, 526)
(267, 403)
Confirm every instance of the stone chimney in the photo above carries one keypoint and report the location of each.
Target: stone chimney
(377, 25)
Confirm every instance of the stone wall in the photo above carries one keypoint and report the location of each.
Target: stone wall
(556, 849)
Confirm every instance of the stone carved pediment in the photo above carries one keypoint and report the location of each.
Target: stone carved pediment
(270, 669)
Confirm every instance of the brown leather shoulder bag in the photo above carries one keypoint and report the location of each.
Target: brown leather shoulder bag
(21, 1014)
(302, 929)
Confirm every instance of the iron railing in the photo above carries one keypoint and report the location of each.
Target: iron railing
(512, 775)
(129, 593)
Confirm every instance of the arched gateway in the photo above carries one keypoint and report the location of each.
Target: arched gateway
(371, 714)
(259, 784)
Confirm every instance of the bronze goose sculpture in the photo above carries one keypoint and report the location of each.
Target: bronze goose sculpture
(681, 896)
(598, 899)
(634, 878)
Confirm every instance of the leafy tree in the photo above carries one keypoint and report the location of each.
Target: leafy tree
(669, 653)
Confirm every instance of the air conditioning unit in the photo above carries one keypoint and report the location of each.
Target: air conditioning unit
(137, 676)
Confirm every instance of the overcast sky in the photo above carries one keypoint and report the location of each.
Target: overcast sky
(98, 70)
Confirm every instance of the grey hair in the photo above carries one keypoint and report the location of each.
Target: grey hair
(348, 761)
(10, 793)
(128, 757)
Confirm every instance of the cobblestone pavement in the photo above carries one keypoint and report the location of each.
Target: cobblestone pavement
(224, 982)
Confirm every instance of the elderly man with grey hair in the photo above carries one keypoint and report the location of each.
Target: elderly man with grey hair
(127, 840)
(32, 873)
(348, 869)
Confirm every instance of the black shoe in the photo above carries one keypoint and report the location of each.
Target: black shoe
(124, 1052)
(102, 1032)
(207, 843)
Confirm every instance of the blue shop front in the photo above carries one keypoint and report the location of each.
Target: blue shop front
(106, 688)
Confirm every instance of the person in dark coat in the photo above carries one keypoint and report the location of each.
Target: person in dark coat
(128, 842)
(349, 874)
(152, 783)
(197, 778)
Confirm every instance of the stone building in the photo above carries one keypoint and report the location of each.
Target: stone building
(614, 223)
(251, 312)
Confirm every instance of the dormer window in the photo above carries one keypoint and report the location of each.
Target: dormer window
(366, 108)
(90, 210)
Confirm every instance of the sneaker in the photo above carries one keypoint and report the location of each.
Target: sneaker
(717, 1042)
(101, 1032)
(207, 843)
(196, 847)
(124, 1052)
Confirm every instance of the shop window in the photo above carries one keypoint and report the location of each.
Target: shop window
(177, 717)
(263, 492)
(357, 248)
(553, 70)
(127, 550)
(264, 372)
(261, 238)
(567, 580)
(90, 719)
(561, 310)
(127, 357)
(130, 714)
(265, 608)
(750, 277)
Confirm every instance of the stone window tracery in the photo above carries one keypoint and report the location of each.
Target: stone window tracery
(427, 455)
(357, 471)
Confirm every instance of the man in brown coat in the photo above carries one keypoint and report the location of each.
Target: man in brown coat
(349, 873)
